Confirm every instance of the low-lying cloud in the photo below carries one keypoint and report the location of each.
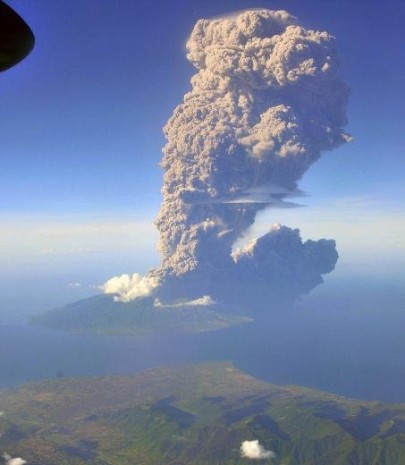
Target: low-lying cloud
(13, 461)
(255, 451)
(204, 301)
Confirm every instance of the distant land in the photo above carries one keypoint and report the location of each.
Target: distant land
(194, 415)
(102, 315)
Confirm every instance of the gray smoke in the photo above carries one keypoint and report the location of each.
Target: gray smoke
(265, 102)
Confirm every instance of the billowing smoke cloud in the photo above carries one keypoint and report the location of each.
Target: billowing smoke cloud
(13, 461)
(265, 101)
(255, 451)
(126, 288)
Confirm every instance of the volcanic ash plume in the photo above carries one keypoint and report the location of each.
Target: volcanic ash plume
(265, 102)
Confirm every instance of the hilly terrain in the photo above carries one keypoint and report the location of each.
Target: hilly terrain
(194, 415)
(102, 315)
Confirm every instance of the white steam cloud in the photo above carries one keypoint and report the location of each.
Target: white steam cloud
(126, 288)
(255, 451)
(13, 461)
(204, 301)
(266, 100)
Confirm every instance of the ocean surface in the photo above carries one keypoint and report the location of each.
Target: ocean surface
(349, 342)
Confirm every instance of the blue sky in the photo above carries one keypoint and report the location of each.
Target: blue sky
(81, 131)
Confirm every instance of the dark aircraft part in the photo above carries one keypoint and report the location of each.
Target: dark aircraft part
(16, 38)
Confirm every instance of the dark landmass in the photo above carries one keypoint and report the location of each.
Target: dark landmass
(194, 415)
(102, 315)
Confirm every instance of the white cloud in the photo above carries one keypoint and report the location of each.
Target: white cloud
(13, 461)
(16, 461)
(130, 287)
(203, 301)
(255, 451)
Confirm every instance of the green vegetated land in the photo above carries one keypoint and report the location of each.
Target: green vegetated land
(102, 315)
(194, 415)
